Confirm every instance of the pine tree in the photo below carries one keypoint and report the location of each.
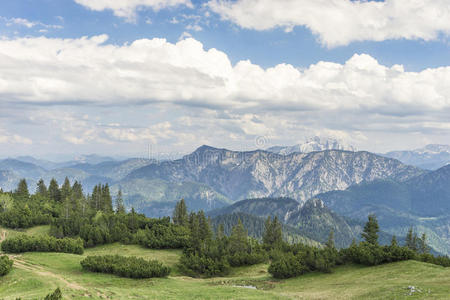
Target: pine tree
(394, 241)
(42, 188)
(273, 235)
(53, 191)
(77, 190)
(106, 199)
(22, 190)
(180, 215)
(66, 189)
(411, 240)
(330, 242)
(371, 229)
(120, 207)
(423, 247)
(238, 241)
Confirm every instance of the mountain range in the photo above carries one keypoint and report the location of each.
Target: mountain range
(422, 202)
(350, 185)
(430, 157)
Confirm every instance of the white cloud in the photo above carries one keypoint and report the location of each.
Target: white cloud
(8, 138)
(194, 27)
(340, 22)
(359, 97)
(44, 70)
(127, 8)
(29, 24)
(22, 22)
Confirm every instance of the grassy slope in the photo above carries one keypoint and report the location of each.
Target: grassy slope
(36, 274)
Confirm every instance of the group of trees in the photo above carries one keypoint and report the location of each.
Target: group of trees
(293, 260)
(208, 254)
(5, 265)
(131, 267)
(25, 243)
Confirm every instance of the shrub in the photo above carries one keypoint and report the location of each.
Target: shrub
(56, 295)
(131, 267)
(5, 265)
(25, 243)
(287, 266)
(203, 264)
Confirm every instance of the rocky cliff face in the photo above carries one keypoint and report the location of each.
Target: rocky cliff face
(242, 175)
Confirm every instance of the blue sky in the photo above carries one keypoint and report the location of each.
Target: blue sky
(372, 74)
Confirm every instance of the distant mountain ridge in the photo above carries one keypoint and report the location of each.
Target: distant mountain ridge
(255, 174)
(313, 144)
(312, 220)
(430, 157)
(422, 202)
(211, 178)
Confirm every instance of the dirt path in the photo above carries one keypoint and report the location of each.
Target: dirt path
(41, 272)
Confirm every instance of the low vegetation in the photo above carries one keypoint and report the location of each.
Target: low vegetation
(131, 267)
(25, 243)
(5, 265)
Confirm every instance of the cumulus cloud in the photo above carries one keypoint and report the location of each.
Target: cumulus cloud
(360, 97)
(54, 71)
(340, 22)
(127, 8)
(9, 138)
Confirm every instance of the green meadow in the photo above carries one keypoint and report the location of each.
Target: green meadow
(36, 274)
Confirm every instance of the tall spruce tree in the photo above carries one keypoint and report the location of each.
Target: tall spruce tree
(106, 199)
(66, 189)
(423, 247)
(371, 229)
(120, 206)
(42, 188)
(411, 240)
(238, 241)
(273, 235)
(22, 190)
(180, 214)
(330, 241)
(53, 191)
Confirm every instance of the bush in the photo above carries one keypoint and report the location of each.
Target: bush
(56, 295)
(5, 265)
(246, 259)
(287, 266)
(131, 267)
(25, 243)
(206, 264)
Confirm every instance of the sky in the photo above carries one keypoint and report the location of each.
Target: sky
(122, 77)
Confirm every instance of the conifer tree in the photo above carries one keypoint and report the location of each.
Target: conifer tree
(394, 241)
(273, 235)
(371, 229)
(66, 189)
(106, 199)
(180, 215)
(120, 207)
(423, 247)
(330, 242)
(42, 188)
(53, 191)
(411, 240)
(238, 241)
(22, 189)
